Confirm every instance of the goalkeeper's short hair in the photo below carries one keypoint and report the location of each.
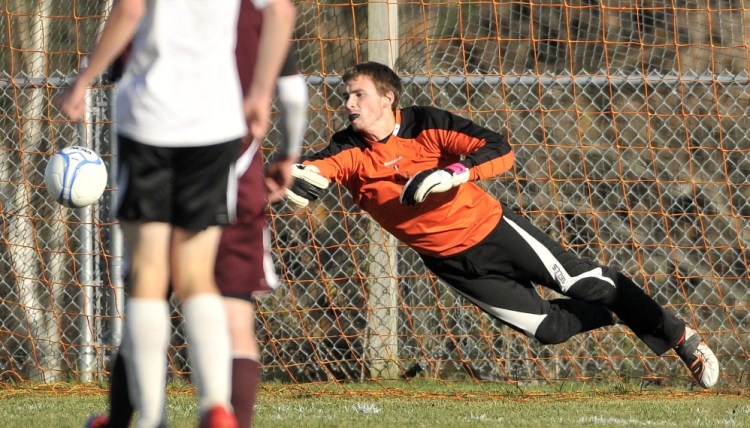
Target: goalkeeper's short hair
(385, 79)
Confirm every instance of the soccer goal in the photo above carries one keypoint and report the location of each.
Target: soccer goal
(629, 120)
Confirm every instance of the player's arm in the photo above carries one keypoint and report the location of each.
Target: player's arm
(119, 29)
(334, 163)
(278, 24)
(118, 66)
(488, 153)
(484, 153)
(308, 185)
(291, 91)
(309, 181)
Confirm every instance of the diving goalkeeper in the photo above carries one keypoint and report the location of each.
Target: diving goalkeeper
(412, 169)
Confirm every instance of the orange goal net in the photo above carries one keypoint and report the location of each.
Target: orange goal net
(629, 120)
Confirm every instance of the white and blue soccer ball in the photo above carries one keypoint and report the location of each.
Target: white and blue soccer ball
(75, 176)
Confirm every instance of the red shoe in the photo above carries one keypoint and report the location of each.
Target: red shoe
(97, 420)
(218, 417)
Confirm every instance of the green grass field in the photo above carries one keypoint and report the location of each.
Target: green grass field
(404, 406)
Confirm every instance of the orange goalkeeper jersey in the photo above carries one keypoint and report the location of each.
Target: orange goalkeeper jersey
(375, 173)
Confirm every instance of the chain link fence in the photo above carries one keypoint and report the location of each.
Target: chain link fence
(630, 131)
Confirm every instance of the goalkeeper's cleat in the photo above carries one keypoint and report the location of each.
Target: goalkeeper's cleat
(97, 420)
(218, 417)
(698, 357)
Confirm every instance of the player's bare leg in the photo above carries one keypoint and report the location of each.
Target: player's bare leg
(193, 257)
(148, 311)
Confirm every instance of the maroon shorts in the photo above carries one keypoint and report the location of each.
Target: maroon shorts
(243, 263)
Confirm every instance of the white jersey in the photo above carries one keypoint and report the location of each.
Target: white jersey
(181, 86)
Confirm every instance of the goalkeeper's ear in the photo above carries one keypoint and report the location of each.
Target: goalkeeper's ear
(308, 185)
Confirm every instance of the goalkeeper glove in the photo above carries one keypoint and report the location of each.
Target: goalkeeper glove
(308, 185)
(433, 181)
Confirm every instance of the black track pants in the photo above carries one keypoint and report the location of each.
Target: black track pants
(499, 273)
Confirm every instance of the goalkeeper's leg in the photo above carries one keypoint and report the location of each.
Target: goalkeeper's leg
(511, 298)
(498, 274)
(549, 264)
(564, 271)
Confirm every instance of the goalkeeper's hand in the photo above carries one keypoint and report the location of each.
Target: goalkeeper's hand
(308, 185)
(433, 181)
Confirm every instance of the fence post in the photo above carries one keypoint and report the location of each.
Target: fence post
(85, 259)
(117, 264)
(382, 298)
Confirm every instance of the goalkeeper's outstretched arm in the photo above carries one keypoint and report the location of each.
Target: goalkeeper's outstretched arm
(308, 185)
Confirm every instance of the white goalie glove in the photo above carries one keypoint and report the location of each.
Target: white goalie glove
(308, 185)
(433, 181)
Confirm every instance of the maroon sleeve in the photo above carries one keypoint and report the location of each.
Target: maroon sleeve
(248, 37)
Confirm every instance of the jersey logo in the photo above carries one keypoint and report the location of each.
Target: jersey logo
(391, 162)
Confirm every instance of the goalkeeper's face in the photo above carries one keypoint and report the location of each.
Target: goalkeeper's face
(368, 111)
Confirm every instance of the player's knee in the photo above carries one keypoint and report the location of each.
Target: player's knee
(601, 291)
(551, 337)
(550, 332)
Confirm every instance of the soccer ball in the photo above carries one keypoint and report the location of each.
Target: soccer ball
(75, 176)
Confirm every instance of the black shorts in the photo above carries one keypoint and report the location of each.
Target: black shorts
(188, 187)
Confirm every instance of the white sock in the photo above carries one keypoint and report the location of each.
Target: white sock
(148, 329)
(209, 349)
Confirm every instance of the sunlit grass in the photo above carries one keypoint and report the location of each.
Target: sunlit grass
(413, 404)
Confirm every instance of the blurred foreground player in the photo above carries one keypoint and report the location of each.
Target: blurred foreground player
(243, 268)
(175, 158)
